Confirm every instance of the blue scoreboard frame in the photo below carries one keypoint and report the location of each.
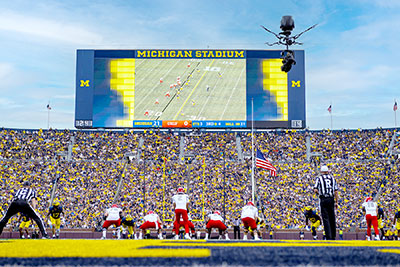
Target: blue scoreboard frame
(273, 99)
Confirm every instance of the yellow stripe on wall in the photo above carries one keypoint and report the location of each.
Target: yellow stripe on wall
(123, 81)
(275, 82)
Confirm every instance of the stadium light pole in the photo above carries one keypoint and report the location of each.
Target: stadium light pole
(128, 158)
(188, 160)
(60, 156)
(188, 165)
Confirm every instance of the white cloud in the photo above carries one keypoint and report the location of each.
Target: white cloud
(350, 78)
(64, 96)
(6, 70)
(11, 78)
(6, 104)
(380, 31)
(49, 29)
(385, 3)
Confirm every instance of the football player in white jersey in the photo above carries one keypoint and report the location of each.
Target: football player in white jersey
(249, 218)
(112, 216)
(216, 221)
(151, 220)
(181, 206)
(370, 211)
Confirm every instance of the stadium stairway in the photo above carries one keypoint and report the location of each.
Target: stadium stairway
(239, 148)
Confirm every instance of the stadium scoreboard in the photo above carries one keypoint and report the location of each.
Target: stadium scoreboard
(188, 89)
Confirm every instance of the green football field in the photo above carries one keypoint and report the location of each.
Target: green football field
(210, 89)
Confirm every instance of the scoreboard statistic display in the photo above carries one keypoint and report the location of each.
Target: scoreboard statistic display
(188, 89)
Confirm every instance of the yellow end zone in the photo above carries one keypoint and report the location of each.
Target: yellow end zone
(93, 248)
(142, 248)
(285, 243)
(397, 251)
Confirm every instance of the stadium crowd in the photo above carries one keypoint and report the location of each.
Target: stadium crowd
(213, 171)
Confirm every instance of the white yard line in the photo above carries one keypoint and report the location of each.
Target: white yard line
(141, 62)
(158, 83)
(191, 93)
(148, 73)
(229, 100)
(208, 97)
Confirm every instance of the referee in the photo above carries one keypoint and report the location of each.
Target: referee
(326, 187)
(236, 228)
(21, 204)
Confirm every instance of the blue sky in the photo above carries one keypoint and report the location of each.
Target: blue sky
(351, 57)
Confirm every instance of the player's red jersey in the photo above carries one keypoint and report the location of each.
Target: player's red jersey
(249, 216)
(177, 225)
(107, 224)
(215, 221)
(151, 221)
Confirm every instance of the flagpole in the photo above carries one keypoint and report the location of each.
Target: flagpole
(395, 118)
(331, 118)
(252, 153)
(48, 118)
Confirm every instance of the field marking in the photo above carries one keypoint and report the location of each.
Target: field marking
(212, 91)
(26, 248)
(141, 62)
(191, 93)
(397, 251)
(148, 73)
(151, 91)
(227, 104)
(181, 88)
(95, 248)
(283, 243)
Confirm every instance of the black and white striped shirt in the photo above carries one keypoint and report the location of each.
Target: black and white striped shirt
(25, 194)
(236, 222)
(326, 185)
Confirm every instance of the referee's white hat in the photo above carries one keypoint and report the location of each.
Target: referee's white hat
(324, 168)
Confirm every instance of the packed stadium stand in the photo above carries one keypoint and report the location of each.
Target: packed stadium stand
(85, 168)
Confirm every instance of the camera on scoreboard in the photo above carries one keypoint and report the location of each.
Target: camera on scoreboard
(287, 24)
(288, 60)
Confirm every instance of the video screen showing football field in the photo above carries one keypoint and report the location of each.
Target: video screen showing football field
(190, 89)
(130, 89)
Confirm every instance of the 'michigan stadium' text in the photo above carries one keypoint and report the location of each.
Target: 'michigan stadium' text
(190, 54)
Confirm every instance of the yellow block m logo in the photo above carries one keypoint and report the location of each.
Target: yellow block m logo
(84, 83)
(294, 84)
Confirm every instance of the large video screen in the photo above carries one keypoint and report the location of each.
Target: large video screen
(188, 89)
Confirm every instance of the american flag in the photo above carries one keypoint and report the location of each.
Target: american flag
(330, 108)
(395, 106)
(262, 162)
(48, 107)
